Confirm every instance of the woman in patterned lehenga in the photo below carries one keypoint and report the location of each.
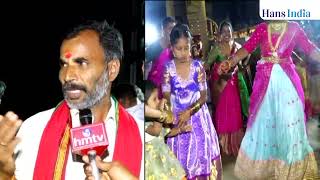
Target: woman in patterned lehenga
(275, 145)
(160, 162)
(185, 88)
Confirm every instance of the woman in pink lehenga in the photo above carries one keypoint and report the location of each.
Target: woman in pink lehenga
(275, 145)
(225, 93)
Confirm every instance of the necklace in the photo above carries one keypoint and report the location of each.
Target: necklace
(274, 48)
(277, 25)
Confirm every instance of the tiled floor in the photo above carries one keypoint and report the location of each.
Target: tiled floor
(314, 138)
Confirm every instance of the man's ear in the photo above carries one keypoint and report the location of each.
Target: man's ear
(113, 69)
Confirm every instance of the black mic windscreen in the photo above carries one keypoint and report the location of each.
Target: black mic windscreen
(2, 88)
(85, 116)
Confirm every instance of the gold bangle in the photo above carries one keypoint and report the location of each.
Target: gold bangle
(169, 117)
(229, 63)
(195, 108)
(162, 116)
(167, 107)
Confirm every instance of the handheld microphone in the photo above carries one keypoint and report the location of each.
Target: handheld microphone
(88, 136)
(89, 139)
(2, 89)
(93, 163)
(85, 117)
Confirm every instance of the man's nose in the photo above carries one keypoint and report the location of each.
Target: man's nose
(70, 74)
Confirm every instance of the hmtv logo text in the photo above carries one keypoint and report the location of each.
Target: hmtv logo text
(88, 136)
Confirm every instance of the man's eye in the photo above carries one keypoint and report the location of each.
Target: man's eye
(63, 64)
(83, 63)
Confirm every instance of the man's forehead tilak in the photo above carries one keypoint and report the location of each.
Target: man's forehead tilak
(67, 55)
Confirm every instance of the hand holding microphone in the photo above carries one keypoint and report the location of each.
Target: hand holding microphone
(109, 170)
(89, 139)
(93, 164)
(9, 126)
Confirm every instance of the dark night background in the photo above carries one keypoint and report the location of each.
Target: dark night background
(242, 13)
(31, 38)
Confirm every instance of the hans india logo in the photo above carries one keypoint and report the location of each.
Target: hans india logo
(88, 136)
(301, 13)
(289, 9)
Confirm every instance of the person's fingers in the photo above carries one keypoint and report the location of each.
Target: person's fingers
(181, 114)
(6, 122)
(11, 131)
(188, 128)
(180, 119)
(104, 176)
(98, 158)
(185, 124)
(9, 126)
(180, 123)
(85, 158)
(104, 166)
(87, 170)
(13, 144)
(89, 178)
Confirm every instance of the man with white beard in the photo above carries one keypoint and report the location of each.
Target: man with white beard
(90, 60)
